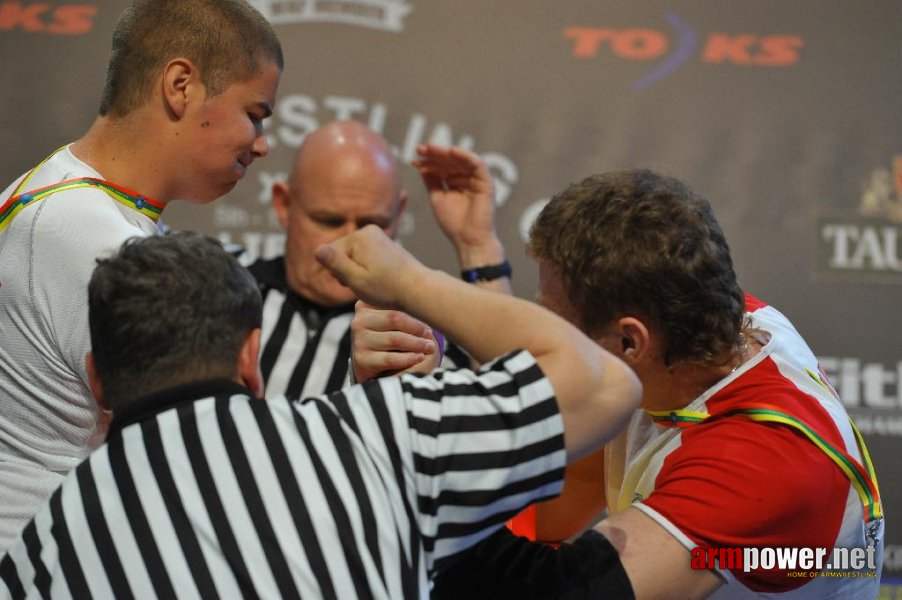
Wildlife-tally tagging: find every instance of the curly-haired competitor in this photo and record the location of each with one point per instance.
(741, 441)
(188, 85)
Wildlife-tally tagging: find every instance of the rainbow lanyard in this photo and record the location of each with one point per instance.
(863, 478)
(20, 200)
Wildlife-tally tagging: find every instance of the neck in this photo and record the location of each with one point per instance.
(121, 151)
(675, 388)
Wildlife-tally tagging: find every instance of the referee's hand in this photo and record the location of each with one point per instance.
(387, 342)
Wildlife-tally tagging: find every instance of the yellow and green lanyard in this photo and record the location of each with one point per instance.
(862, 477)
(19, 200)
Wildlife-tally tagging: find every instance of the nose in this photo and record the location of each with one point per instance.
(260, 147)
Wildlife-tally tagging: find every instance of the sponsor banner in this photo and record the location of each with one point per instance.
(865, 247)
(669, 49)
(47, 19)
(854, 249)
(864, 384)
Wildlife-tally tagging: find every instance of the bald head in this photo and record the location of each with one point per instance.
(349, 151)
(345, 176)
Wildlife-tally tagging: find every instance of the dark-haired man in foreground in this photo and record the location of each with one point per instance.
(201, 489)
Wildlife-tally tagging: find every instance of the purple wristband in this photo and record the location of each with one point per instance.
(440, 342)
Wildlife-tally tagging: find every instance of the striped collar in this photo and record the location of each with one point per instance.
(147, 407)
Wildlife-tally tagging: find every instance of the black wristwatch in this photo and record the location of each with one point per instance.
(487, 273)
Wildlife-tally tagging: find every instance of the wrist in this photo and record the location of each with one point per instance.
(487, 272)
(489, 252)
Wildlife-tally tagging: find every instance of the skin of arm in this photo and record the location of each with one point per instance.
(657, 564)
(462, 197)
(596, 392)
(579, 505)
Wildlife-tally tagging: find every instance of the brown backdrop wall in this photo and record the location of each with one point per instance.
(785, 115)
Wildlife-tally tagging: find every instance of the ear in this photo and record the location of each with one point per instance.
(634, 341)
(249, 363)
(181, 83)
(281, 202)
(94, 381)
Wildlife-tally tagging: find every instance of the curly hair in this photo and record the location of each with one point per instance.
(636, 242)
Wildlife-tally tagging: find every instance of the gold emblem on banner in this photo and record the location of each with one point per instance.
(882, 196)
(867, 247)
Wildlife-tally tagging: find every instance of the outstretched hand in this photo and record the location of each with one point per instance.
(462, 196)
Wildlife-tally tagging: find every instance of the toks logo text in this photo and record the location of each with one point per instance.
(672, 48)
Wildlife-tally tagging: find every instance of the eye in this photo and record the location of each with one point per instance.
(331, 222)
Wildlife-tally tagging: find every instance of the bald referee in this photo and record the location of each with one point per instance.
(202, 490)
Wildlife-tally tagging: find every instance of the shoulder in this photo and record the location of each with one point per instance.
(269, 273)
(754, 482)
(83, 221)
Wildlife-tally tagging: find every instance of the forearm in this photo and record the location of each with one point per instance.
(596, 392)
(472, 255)
(513, 567)
(580, 504)
(487, 325)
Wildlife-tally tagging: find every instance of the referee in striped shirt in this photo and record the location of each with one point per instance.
(344, 177)
(201, 490)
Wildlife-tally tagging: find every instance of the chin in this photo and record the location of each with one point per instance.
(339, 297)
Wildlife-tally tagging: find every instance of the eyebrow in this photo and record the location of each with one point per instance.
(329, 213)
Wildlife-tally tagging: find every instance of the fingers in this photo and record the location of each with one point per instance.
(370, 365)
(337, 261)
(452, 168)
(388, 341)
(447, 161)
(371, 264)
(391, 329)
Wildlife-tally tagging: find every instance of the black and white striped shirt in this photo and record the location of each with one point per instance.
(305, 347)
(202, 491)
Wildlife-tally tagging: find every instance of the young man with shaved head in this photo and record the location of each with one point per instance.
(189, 83)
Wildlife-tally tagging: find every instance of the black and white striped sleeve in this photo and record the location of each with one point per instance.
(483, 445)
